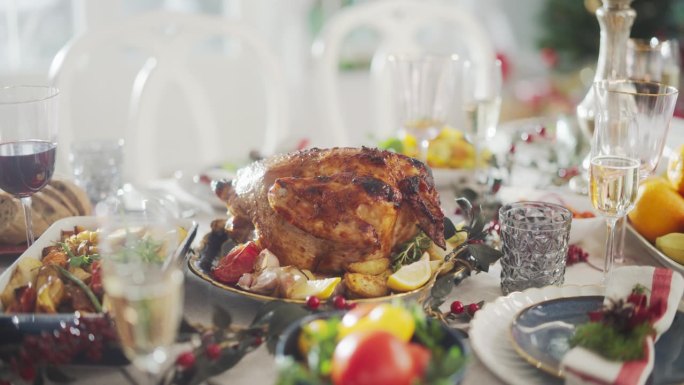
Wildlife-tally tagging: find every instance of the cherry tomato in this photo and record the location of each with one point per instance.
(372, 358)
(27, 300)
(238, 261)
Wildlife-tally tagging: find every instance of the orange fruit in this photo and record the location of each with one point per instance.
(659, 209)
(675, 170)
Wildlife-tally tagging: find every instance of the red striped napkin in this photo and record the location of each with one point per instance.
(582, 366)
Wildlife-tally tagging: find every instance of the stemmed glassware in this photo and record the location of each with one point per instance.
(632, 122)
(144, 284)
(28, 143)
(424, 87)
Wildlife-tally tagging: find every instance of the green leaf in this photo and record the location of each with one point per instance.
(265, 312)
(55, 375)
(483, 256)
(442, 287)
(466, 207)
(449, 228)
(282, 317)
(221, 317)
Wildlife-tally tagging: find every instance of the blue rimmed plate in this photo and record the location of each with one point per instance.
(540, 334)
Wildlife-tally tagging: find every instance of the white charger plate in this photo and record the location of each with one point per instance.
(490, 328)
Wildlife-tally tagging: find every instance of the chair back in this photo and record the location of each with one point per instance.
(171, 86)
(399, 24)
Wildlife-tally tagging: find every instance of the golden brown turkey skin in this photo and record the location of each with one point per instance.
(321, 209)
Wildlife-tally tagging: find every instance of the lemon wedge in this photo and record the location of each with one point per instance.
(321, 288)
(411, 276)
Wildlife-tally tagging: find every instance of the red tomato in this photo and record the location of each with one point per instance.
(420, 356)
(372, 358)
(238, 261)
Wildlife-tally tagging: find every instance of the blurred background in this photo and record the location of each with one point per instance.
(548, 49)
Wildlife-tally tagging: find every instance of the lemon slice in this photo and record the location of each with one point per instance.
(321, 288)
(410, 277)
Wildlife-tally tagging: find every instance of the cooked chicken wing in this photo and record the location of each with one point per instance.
(321, 209)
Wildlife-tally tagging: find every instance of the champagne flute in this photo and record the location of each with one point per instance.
(481, 89)
(144, 286)
(424, 88)
(28, 143)
(615, 162)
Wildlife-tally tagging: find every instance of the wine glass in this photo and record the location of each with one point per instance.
(654, 60)
(424, 88)
(615, 158)
(28, 143)
(648, 61)
(144, 285)
(481, 92)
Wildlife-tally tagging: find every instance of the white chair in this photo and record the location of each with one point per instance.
(161, 75)
(398, 22)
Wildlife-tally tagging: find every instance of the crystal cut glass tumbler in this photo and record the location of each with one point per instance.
(535, 244)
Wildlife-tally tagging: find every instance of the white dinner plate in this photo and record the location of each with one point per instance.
(490, 328)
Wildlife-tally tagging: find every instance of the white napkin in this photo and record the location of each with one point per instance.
(582, 366)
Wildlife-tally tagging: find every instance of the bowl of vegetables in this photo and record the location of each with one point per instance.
(379, 344)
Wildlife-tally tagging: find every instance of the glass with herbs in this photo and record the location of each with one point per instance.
(144, 285)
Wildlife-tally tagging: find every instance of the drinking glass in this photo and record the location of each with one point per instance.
(144, 284)
(651, 60)
(28, 143)
(534, 239)
(481, 93)
(97, 167)
(615, 154)
(424, 89)
(654, 60)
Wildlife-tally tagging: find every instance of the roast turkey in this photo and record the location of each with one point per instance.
(321, 209)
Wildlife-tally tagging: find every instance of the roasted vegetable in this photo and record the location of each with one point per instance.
(367, 286)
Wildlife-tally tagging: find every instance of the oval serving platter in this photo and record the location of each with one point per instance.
(195, 265)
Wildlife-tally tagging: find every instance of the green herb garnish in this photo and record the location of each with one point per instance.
(610, 343)
(143, 249)
(411, 251)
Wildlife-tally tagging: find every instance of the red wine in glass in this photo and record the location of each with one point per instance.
(26, 166)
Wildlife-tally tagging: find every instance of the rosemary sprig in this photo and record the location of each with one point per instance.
(411, 251)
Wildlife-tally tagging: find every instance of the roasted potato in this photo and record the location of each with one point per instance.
(26, 271)
(366, 286)
(371, 267)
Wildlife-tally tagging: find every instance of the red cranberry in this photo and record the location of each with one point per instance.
(339, 302)
(313, 302)
(186, 360)
(213, 351)
(473, 308)
(457, 307)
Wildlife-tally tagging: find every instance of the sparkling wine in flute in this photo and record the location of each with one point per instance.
(614, 182)
(147, 316)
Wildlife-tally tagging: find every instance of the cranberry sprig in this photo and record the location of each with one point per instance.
(626, 314)
(83, 337)
(337, 302)
(575, 255)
